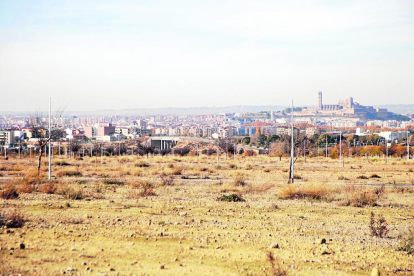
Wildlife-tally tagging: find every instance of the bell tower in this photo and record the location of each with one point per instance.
(320, 106)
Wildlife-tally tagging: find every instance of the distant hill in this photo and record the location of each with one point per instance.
(399, 108)
(179, 110)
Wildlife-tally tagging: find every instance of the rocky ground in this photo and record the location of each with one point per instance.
(184, 230)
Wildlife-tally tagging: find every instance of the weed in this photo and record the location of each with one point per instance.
(47, 188)
(26, 188)
(407, 243)
(375, 176)
(230, 198)
(239, 180)
(110, 181)
(277, 270)
(70, 192)
(166, 180)
(362, 196)
(142, 164)
(9, 191)
(341, 177)
(177, 171)
(378, 226)
(362, 177)
(68, 172)
(311, 191)
(11, 219)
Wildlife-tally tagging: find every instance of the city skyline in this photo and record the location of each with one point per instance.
(93, 56)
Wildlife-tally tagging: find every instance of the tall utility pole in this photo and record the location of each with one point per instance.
(50, 136)
(340, 149)
(292, 172)
(386, 150)
(408, 147)
(326, 146)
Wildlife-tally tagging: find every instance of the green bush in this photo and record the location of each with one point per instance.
(230, 198)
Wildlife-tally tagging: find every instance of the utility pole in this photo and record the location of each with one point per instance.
(292, 170)
(340, 149)
(326, 146)
(50, 137)
(408, 147)
(386, 150)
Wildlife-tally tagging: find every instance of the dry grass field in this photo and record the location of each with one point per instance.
(181, 216)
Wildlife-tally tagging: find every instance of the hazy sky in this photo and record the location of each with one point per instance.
(129, 54)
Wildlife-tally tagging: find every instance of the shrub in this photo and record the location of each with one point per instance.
(230, 198)
(145, 187)
(358, 196)
(239, 180)
(310, 191)
(250, 152)
(277, 270)
(31, 177)
(11, 219)
(176, 171)
(378, 226)
(362, 177)
(26, 188)
(375, 176)
(110, 181)
(9, 191)
(48, 188)
(166, 180)
(142, 164)
(407, 243)
(70, 192)
(62, 163)
(68, 172)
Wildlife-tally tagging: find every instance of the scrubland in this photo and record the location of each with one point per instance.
(191, 216)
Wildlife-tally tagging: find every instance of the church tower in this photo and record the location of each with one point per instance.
(320, 106)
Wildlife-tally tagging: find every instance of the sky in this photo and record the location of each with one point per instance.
(93, 55)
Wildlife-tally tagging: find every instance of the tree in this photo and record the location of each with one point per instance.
(277, 149)
(261, 139)
(145, 149)
(246, 140)
(272, 138)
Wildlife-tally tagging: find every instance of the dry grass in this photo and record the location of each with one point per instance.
(9, 191)
(70, 192)
(306, 191)
(11, 218)
(68, 172)
(47, 188)
(360, 196)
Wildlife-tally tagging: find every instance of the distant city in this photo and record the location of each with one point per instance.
(346, 115)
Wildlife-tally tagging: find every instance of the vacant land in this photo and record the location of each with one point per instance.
(163, 216)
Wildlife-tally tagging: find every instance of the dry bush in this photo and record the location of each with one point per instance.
(277, 269)
(249, 153)
(359, 196)
(141, 164)
(26, 188)
(258, 189)
(48, 188)
(9, 191)
(31, 177)
(68, 172)
(11, 218)
(166, 180)
(309, 191)
(146, 188)
(378, 226)
(407, 243)
(177, 171)
(239, 180)
(69, 192)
